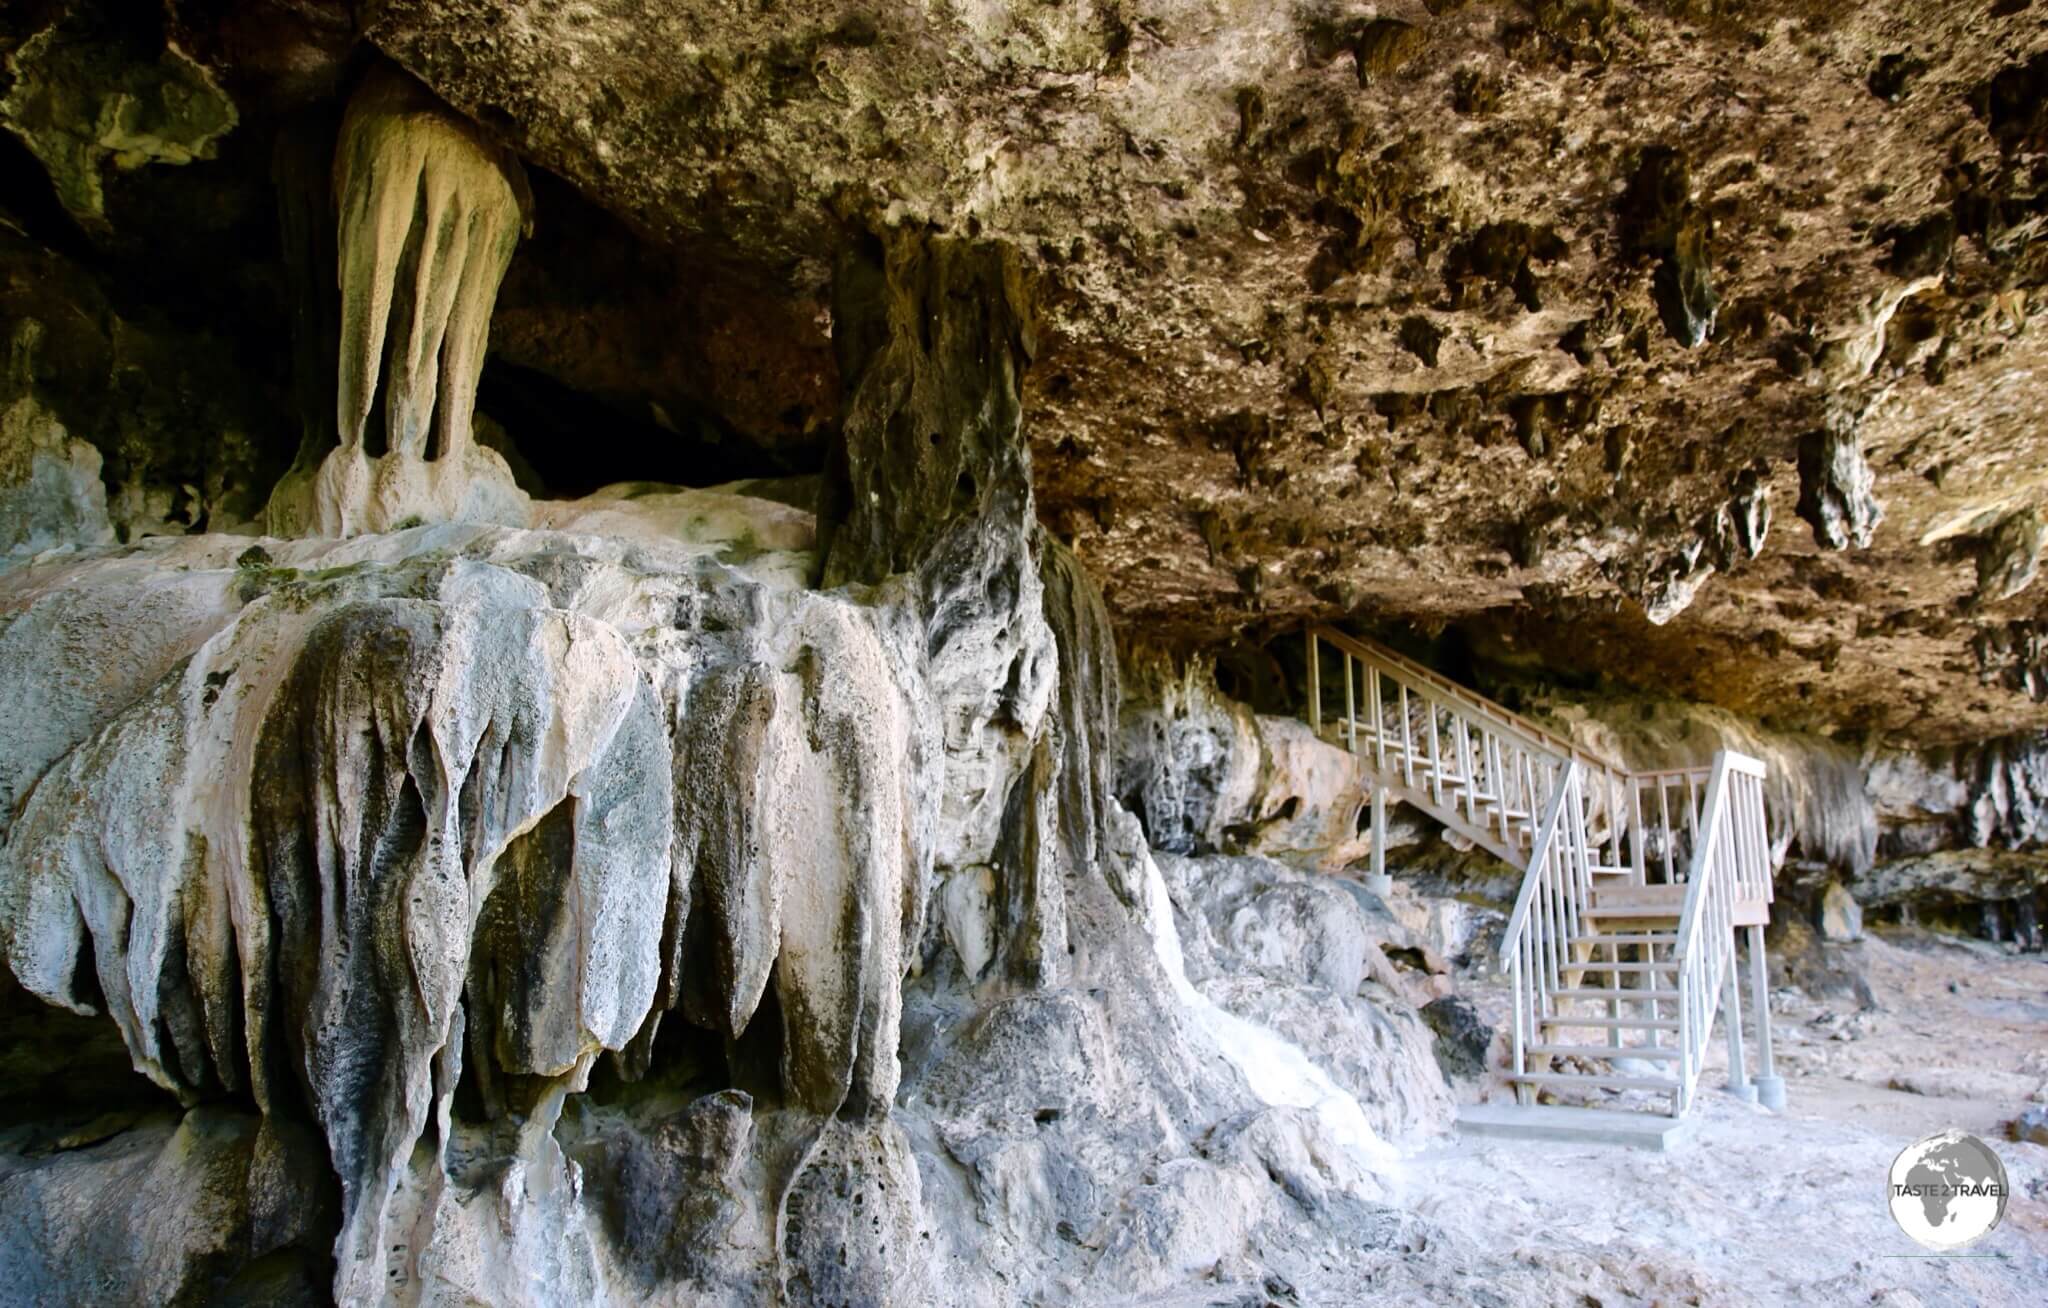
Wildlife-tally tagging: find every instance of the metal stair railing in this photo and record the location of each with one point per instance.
(1730, 863)
(1536, 949)
(1480, 769)
(1561, 812)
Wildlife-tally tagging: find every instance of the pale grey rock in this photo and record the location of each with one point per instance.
(1840, 916)
(852, 1225)
(1184, 1220)
(167, 1210)
(2031, 1126)
(1672, 587)
(50, 489)
(1205, 774)
(1296, 954)
(501, 779)
(1189, 760)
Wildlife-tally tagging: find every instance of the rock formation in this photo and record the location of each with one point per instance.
(651, 652)
(428, 214)
(50, 489)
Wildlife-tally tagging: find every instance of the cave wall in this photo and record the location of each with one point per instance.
(749, 892)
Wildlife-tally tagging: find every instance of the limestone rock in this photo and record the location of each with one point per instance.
(1840, 916)
(1464, 1043)
(429, 214)
(83, 99)
(1951, 877)
(50, 489)
(217, 1205)
(1835, 489)
(1295, 954)
(2031, 1126)
(484, 782)
(2011, 558)
(1204, 773)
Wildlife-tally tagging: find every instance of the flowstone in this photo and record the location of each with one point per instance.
(540, 873)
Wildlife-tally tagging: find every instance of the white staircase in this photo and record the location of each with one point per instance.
(1621, 948)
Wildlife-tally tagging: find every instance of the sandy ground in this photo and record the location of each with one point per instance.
(1790, 1208)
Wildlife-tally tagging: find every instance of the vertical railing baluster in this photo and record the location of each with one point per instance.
(1436, 767)
(1379, 721)
(1636, 837)
(1407, 742)
(1461, 744)
(1350, 708)
(1315, 685)
(1670, 841)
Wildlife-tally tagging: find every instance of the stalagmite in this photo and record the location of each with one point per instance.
(429, 213)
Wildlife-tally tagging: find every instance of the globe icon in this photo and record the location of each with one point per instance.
(1948, 1190)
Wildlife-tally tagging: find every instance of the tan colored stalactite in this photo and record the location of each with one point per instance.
(429, 218)
(428, 214)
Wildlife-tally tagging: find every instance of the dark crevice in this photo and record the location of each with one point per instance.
(577, 442)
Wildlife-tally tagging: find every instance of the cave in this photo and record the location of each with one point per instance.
(832, 653)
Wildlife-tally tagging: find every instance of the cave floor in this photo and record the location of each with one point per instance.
(1777, 1208)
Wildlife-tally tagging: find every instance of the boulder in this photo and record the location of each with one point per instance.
(2031, 1126)
(1839, 917)
(1462, 1039)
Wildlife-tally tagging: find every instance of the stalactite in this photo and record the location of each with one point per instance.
(428, 215)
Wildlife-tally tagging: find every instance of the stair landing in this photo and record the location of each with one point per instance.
(1600, 1126)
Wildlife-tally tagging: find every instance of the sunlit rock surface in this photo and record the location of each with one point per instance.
(754, 755)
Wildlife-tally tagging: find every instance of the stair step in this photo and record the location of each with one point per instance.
(1627, 1023)
(1606, 1080)
(1657, 894)
(1608, 1051)
(1602, 870)
(1659, 938)
(1632, 912)
(1663, 965)
(1669, 996)
(1606, 1126)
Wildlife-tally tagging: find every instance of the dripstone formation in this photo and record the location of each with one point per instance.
(649, 652)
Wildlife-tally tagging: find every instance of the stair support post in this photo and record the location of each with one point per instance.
(1379, 883)
(1739, 1083)
(1770, 1087)
(1350, 708)
(1315, 685)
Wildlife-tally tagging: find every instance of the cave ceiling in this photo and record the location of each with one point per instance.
(1515, 319)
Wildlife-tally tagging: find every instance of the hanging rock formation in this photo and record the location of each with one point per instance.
(1835, 487)
(399, 822)
(2011, 558)
(429, 212)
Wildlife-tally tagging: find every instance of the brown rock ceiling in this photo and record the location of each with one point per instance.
(1377, 310)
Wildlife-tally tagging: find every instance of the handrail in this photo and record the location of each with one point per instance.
(1487, 774)
(1502, 766)
(1402, 665)
(1729, 863)
(1703, 860)
(1546, 835)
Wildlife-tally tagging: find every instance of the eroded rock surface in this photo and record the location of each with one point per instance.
(744, 892)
